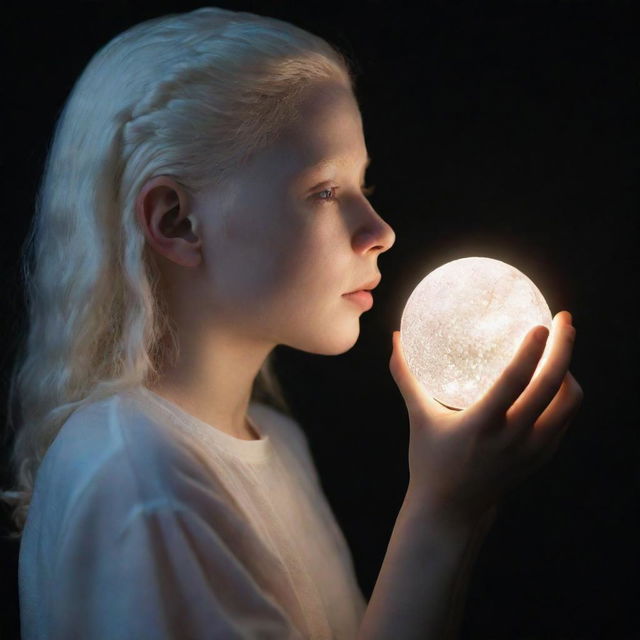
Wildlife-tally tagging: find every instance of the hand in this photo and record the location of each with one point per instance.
(461, 462)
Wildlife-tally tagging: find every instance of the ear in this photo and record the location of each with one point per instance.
(162, 210)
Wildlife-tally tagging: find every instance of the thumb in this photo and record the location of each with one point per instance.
(414, 394)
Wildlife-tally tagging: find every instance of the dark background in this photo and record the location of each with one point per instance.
(504, 130)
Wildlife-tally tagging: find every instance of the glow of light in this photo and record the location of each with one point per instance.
(464, 322)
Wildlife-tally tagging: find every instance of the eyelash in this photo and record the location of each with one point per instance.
(367, 191)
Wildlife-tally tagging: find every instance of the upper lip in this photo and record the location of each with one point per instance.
(367, 286)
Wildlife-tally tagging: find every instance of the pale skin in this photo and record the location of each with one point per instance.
(271, 258)
(462, 462)
(268, 264)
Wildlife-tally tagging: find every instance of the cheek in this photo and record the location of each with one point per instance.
(244, 252)
(313, 259)
(285, 256)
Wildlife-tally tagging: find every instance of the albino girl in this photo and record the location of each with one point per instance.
(203, 201)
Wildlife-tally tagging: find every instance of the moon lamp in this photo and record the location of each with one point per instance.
(463, 324)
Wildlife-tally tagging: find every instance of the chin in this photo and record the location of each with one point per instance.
(329, 341)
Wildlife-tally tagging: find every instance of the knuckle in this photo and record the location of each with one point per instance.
(576, 394)
(579, 395)
(574, 389)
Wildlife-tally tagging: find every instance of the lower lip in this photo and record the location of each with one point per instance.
(363, 298)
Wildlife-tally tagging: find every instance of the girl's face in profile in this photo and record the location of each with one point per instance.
(294, 233)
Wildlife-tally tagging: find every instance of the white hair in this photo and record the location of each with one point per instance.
(189, 95)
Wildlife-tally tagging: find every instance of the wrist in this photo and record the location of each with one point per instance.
(455, 524)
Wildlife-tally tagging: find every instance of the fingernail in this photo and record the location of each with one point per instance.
(570, 318)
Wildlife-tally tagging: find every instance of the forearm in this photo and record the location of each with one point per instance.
(463, 577)
(422, 580)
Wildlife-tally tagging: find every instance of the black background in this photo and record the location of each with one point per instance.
(504, 130)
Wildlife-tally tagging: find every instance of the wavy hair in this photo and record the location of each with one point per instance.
(193, 96)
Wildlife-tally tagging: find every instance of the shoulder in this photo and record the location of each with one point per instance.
(114, 429)
(111, 453)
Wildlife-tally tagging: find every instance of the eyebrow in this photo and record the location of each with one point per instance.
(321, 164)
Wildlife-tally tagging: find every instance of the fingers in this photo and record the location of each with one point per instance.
(545, 453)
(400, 373)
(543, 388)
(552, 424)
(515, 377)
(418, 402)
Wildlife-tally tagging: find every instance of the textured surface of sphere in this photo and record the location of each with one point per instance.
(463, 324)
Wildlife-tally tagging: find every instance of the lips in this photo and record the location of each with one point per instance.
(362, 298)
(367, 286)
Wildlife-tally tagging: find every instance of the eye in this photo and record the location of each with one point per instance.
(367, 191)
(330, 191)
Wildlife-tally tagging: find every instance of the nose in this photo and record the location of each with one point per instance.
(377, 232)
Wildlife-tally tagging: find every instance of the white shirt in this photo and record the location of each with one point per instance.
(146, 522)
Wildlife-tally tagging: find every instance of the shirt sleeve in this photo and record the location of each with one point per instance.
(162, 569)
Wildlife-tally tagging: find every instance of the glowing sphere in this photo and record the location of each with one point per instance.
(463, 324)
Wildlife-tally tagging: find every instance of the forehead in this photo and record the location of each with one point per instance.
(325, 136)
(325, 99)
(328, 129)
